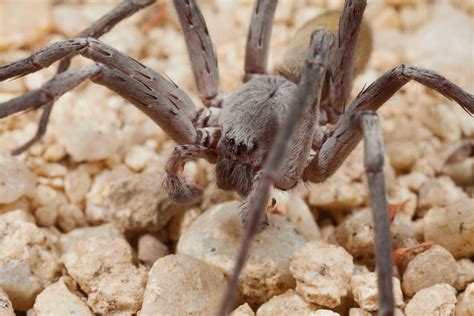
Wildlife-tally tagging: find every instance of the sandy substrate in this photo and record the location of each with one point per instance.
(86, 227)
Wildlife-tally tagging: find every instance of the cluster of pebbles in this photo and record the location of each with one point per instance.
(85, 227)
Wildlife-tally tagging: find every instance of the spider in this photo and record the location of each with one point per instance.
(272, 131)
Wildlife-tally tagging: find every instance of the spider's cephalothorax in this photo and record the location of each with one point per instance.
(267, 133)
(250, 120)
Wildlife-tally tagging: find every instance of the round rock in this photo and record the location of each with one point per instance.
(215, 238)
(322, 272)
(435, 265)
(183, 285)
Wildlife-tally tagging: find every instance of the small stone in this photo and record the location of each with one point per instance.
(28, 259)
(6, 308)
(46, 216)
(215, 238)
(139, 202)
(365, 291)
(243, 310)
(433, 266)
(322, 272)
(150, 249)
(52, 170)
(54, 152)
(439, 192)
(68, 240)
(359, 312)
(69, 217)
(465, 273)
(76, 184)
(44, 195)
(323, 312)
(356, 234)
(337, 193)
(105, 270)
(183, 285)
(440, 299)
(460, 172)
(300, 215)
(15, 179)
(137, 157)
(95, 200)
(88, 140)
(465, 305)
(288, 303)
(452, 227)
(403, 154)
(58, 299)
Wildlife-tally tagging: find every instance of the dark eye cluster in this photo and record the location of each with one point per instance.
(238, 148)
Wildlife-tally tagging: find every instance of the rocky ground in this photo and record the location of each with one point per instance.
(85, 227)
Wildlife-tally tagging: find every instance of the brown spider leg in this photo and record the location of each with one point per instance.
(50, 90)
(200, 49)
(311, 80)
(172, 100)
(258, 38)
(40, 131)
(105, 23)
(346, 135)
(97, 29)
(207, 117)
(342, 68)
(178, 190)
(374, 161)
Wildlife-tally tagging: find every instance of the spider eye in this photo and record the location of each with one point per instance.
(232, 142)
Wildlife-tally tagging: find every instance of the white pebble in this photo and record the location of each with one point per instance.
(365, 291)
(76, 184)
(151, 249)
(105, 270)
(452, 227)
(322, 272)
(215, 238)
(15, 179)
(58, 299)
(28, 259)
(288, 303)
(183, 285)
(243, 310)
(6, 308)
(433, 266)
(440, 299)
(465, 305)
(465, 273)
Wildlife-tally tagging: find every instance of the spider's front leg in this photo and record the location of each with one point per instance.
(374, 161)
(175, 184)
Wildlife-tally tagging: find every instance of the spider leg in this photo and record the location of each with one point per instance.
(346, 136)
(200, 49)
(97, 29)
(342, 68)
(166, 99)
(374, 161)
(50, 90)
(178, 190)
(258, 39)
(107, 22)
(313, 71)
(207, 117)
